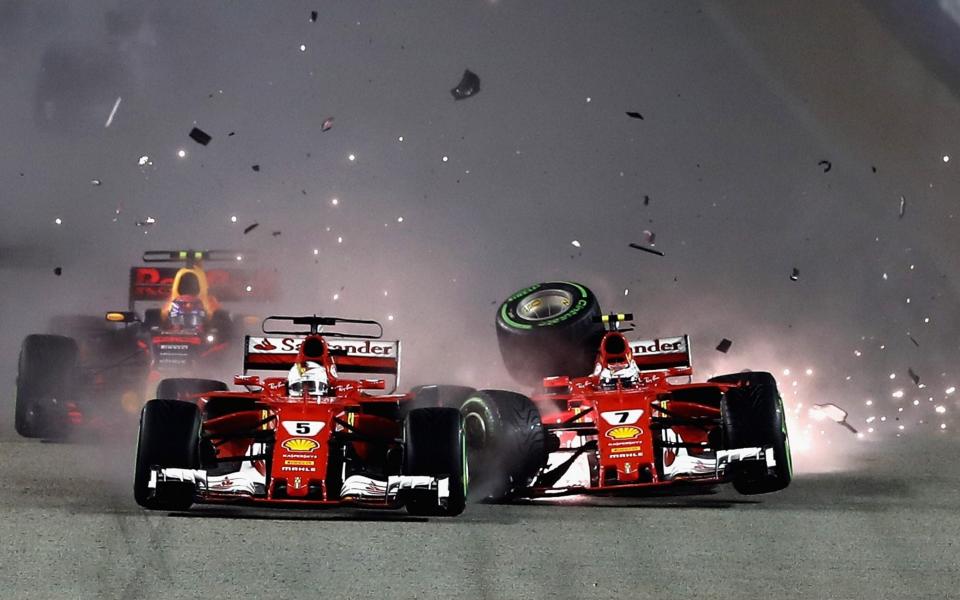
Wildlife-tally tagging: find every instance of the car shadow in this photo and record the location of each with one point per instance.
(254, 514)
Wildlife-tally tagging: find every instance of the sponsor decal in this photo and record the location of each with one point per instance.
(353, 347)
(631, 455)
(307, 428)
(297, 483)
(624, 432)
(297, 469)
(659, 346)
(626, 449)
(300, 445)
(622, 417)
(300, 463)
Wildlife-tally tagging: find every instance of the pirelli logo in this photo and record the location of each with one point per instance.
(299, 463)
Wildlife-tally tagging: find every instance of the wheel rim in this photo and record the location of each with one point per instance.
(544, 304)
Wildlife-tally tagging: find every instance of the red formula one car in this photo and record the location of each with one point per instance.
(312, 437)
(611, 416)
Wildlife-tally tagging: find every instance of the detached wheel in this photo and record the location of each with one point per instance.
(169, 437)
(506, 442)
(549, 329)
(183, 388)
(752, 416)
(46, 376)
(434, 445)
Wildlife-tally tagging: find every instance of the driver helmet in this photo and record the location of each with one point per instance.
(186, 312)
(310, 379)
(627, 373)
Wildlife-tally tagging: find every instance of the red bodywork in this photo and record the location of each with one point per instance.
(630, 431)
(300, 445)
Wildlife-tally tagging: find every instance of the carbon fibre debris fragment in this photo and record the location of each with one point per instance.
(313, 16)
(200, 136)
(469, 86)
(903, 206)
(915, 342)
(250, 228)
(634, 115)
(826, 164)
(646, 249)
(256, 168)
(327, 124)
(795, 274)
(58, 271)
(914, 376)
(724, 345)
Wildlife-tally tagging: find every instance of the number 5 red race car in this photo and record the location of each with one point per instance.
(607, 415)
(312, 437)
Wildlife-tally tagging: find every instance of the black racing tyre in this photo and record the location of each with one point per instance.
(506, 442)
(46, 377)
(752, 415)
(746, 378)
(434, 445)
(169, 437)
(423, 396)
(184, 388)
(549, 329)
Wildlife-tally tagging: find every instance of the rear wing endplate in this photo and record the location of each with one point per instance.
(358, 356)
(663, 354)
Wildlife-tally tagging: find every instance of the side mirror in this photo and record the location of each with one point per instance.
(373, 384)
(246, 380)
(122, 316)
(552, 383)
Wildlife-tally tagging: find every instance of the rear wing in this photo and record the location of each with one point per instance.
(154, 284)
(664, 354)
(350, 355)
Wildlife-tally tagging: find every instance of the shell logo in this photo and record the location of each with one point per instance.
(625, 432)
(301, 445)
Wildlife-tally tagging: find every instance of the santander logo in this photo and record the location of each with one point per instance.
(264, 345)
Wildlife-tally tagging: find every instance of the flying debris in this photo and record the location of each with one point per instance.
(650, 236)
(915, 342)
(903, 206)
(795, 275)
(313, 16)
(256, 168)
(200, 136)
(724, 345)
(231, 134)
(327, 124)
(250, 228)
(276, 233)
(646, 200)
(575, 243)
(113, 112)
(634, 115)
(826, 164)
(914, 376)
(58, 271)
(469, 85)
(645, 249)
(832, 412)
(146, 223)
(95, 182)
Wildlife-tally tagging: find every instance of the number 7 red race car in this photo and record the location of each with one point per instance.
(313, 437)
(608, 414)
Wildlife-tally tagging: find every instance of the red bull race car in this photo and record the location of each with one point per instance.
(610, 415)
(90, 369)
(313, 437)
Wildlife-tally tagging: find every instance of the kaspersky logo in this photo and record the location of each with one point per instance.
(624, 432)
(300, 445)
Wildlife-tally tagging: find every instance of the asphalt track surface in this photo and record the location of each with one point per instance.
(885, 528)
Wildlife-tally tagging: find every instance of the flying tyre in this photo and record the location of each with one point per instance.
(169, 437)
(184, 388)
(753, 417)
(434, 445)
(549, 329)
(506, 442)
(45, 378)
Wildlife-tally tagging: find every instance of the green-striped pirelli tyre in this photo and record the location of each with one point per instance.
(752, 416)
(548, 329)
